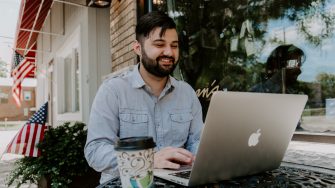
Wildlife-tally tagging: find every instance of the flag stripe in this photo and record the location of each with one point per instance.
(23, 139)
(32, 129)
(31, 152)
(22, 68)
(17, 94)
(26, 139)
(23, 71)
(9, 147)
(42, 136)
(37, 140)
(17, 147)
(30, 135)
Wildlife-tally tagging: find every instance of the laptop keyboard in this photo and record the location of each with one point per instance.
(184, 174)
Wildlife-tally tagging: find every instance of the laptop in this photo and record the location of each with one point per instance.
(244, 134)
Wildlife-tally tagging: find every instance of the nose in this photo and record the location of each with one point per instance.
(168, 51)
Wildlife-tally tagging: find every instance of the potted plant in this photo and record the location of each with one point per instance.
(62, 162)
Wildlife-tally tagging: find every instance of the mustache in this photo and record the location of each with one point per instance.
(166, 57)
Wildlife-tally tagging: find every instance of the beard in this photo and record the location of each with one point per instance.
(154, 68)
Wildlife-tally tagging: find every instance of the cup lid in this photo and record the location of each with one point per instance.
(135, 143)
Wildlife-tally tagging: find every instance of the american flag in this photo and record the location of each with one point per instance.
(25, 141)
(22, 67)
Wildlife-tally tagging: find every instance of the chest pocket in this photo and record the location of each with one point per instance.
(180, 124)
(133, 124)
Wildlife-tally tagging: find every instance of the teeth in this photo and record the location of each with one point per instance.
(166, 60)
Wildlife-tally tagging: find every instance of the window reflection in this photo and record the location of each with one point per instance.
(282, 69)
(260, 45)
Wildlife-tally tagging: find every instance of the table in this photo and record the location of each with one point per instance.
(287, 175)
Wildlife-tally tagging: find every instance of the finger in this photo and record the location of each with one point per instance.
(170, 165)
(185, 152)
(170, 149)
(180, 157)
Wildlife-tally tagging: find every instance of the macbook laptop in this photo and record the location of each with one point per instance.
(244, 134)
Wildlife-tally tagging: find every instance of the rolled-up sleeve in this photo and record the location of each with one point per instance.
(103, 128)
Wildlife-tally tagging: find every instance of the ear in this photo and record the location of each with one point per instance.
(137, 48)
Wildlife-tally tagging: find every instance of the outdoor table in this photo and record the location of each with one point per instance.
(287, 175)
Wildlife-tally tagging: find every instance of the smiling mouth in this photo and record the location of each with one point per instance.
(166, 61)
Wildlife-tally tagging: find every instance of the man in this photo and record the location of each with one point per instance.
(146, 102)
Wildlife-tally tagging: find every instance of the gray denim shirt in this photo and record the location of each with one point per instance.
(124, 106)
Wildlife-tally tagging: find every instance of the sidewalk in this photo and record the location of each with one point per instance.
(11, 125)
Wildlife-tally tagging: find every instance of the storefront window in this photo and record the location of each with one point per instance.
(68, 70)
(259, 46)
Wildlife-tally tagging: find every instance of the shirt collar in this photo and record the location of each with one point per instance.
(136, 78)
(138, 82)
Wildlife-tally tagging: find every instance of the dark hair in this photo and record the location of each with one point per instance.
(279, 57)
(152, 20)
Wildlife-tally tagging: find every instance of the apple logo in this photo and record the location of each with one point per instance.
(254, 138)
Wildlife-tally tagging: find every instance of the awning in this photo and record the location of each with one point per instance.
(31, 18)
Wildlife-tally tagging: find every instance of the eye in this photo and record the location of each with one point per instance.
(174, 46)
(159, 45)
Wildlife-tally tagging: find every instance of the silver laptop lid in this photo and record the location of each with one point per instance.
(245, 133)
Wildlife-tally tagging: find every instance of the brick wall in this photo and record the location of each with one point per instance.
(123, 22)
(8, 108)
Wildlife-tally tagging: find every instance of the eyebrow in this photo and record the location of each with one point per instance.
(161, 40)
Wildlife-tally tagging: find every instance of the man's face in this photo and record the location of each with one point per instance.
(160, 54)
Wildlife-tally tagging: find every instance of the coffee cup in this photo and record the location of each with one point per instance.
(135, 158)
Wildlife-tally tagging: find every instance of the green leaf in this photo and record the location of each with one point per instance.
(62, 158)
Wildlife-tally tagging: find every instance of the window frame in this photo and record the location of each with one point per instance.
(71, 48)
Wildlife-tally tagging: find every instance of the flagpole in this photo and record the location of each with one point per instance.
(2, 155)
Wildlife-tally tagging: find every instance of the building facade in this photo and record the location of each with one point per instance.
(266, 46)
(9, 110)
(72, 61)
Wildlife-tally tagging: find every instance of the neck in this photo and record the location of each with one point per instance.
(156, 83)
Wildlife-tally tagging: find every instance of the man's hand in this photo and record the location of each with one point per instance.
(172, 158)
